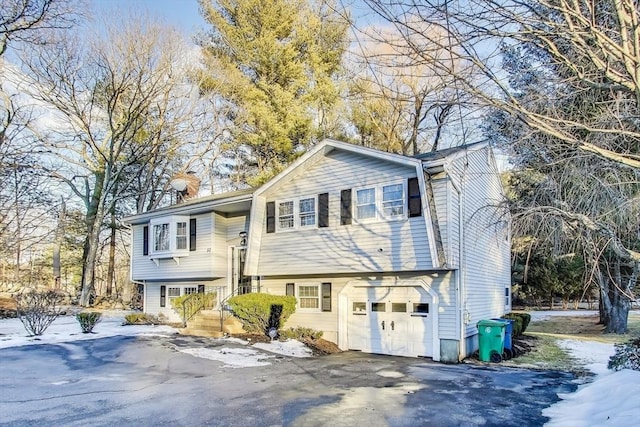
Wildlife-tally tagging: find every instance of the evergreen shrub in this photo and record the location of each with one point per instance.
(259, 312)
(626, 356)
(301, 334)
(87, 320)
(140, 319)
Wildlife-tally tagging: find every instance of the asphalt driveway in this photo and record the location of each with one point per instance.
(122, 381)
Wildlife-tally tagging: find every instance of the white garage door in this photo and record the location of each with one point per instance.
(390, 320)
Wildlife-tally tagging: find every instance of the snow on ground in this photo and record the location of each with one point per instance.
(544, 315)
(610, 399)
(66, 329)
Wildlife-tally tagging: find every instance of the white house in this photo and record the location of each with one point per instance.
(384, 253)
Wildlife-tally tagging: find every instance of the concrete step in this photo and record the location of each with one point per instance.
(207, 324)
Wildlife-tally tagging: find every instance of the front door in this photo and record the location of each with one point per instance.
(240, 284)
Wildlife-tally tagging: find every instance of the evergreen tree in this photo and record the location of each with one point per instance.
(274, 66)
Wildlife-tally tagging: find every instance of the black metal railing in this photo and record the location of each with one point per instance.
(195, 303)
(240, 290)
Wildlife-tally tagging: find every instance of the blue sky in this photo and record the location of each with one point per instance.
(183, 14)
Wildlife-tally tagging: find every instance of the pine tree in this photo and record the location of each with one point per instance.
(274, 66)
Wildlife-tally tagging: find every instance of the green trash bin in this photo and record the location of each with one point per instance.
(491, 340)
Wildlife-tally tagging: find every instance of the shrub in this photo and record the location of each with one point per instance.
(301, 334)
(140, 319)
(88, 320)
(188, 305)
(38, 309)
(520, 322)
(259, 312)
(626, 356)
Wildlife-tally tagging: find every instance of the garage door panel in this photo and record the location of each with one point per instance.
(392, 320)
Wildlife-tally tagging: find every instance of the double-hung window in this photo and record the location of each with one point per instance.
(161, 237)
(309, 297)
(181, 235)
(307, 212)
(366, 203)
(393, 200)
(380, 202)
(297, 213)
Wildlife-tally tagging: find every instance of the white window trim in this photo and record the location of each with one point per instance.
(318, 286)
(379, 216)
(172, 252)
(296, 214)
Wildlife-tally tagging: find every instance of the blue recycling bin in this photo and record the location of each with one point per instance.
(508, 330)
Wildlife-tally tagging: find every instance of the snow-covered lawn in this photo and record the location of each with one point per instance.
(611, 398)
(66, 329)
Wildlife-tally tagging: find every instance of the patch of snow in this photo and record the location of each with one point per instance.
(291, 348)
(231, 357)
(610, 399)
(390, 374)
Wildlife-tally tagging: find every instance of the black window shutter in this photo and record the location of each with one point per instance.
(326, 297)
(201, 289)
(291, 289)
(145, 240)
(163, 296)
(413, 197)
(192, 234)
(271, 217)
(323, 210)
(345, 207)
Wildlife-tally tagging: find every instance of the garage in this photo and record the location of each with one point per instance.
(396, 320)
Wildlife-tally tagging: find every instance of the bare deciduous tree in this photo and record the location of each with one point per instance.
(122, 118)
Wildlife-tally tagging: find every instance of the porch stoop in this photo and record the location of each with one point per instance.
(207, 324)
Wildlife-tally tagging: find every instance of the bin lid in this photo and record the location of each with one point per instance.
(491, 323)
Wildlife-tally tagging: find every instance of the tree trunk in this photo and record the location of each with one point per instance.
(615, 301)
(112, 255)
(89, 267)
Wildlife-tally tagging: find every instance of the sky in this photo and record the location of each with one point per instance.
(607, 399)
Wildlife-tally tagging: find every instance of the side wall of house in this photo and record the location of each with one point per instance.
(378, 246)
(485, 263)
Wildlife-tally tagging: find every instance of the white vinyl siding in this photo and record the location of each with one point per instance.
(486, 245)
(372, 247)
(209, 260)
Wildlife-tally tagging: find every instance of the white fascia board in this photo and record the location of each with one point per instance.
(196, 206)
(256, 219)
(426, 214)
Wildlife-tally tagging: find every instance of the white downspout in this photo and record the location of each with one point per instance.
(461, 322)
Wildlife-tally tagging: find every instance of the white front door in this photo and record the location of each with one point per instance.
(390, 320)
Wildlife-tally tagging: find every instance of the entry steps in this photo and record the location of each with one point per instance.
(207, 324)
